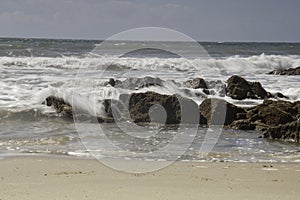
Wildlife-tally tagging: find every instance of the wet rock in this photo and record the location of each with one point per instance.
(137, 83)
(216, 88)
(238, 88)
(196, 83)
(278, 95)
(273, 113)
(219, 112)
(243, 124)
(289, 131)
(65, 109)
(275, 119)
(289, 72)
(113, 82)
(270, 114)
(60, 105)
(165, 109)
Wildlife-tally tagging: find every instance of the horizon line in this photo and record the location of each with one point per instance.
(94, 39)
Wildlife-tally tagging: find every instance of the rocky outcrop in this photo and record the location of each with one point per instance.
(239, 88)
(276, 119)
(272, 113)
(143, 108)
(219, 112)
(289, 72)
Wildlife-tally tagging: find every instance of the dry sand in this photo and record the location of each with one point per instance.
(65, 178)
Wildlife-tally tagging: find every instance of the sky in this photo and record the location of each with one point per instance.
(203, 20)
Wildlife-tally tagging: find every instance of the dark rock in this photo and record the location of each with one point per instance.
(289, 72)
(112, 82)
(219, 112)
(278, 95)
(196, 83)
(273, 113)
(60, 105)
(165, 109)
(239, 88)
(276, 119)
(243, 124)
(289, 131)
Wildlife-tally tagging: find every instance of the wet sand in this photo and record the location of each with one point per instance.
(65, 178)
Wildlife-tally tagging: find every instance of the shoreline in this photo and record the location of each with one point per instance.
(40, 177)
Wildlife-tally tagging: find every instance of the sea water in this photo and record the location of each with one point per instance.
(33, 69)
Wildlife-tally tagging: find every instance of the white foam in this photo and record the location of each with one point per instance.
(27, 81)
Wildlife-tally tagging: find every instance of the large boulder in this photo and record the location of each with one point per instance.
(167, 109)
(289, 72)
(238, 88)
(219, 112)
(270, 113)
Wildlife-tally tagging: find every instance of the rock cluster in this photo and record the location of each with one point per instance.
(289, 72)
(276, 119)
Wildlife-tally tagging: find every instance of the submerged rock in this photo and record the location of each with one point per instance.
(289, 72)
(196, 83)
(60, 105)
(137, 83)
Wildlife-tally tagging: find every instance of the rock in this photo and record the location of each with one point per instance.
(112, 82)
(219, 112)
(141, 108)
(276, 119)
(165, 109)
(60, 105)
(273, 113)
(216, 88)
(196, 83)
(278, 95)
(137, 83)
(243, 124)
(239, 88)
(289, 131)
(289, 72)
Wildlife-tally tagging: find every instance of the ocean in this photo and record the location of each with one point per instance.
(75, 70)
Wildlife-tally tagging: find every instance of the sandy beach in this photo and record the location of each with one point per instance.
(65, 178)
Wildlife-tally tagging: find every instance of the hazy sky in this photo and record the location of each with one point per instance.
(204, 20)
